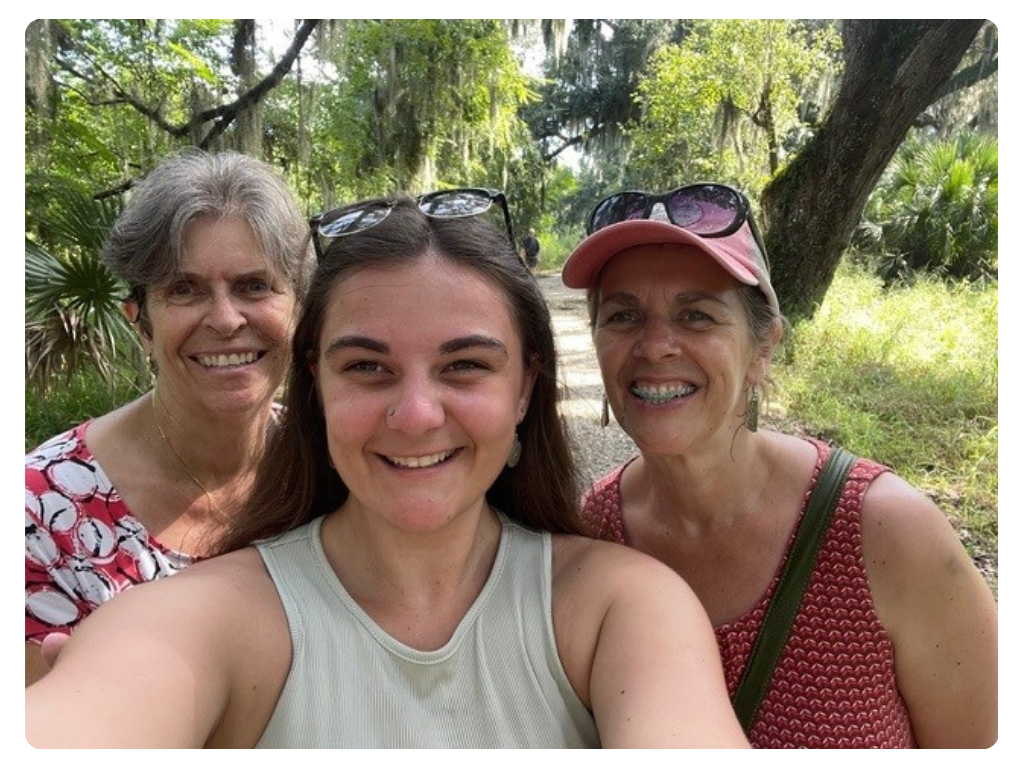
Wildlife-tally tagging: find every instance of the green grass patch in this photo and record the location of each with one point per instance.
(67, 403)
(907, 376)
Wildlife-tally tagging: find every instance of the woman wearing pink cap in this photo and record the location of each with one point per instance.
(892, 642)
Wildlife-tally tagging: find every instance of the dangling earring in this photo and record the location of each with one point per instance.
(753, 408)
(605, 418)
(515, 453)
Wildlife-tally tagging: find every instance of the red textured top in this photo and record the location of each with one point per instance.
(835, 684)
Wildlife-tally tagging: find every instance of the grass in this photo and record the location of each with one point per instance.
(907, 376)
(71, 402)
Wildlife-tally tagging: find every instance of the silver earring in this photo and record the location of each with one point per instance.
(605, 418)
(516, 452)
(753, 408)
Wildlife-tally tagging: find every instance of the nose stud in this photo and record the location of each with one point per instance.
(391, 412)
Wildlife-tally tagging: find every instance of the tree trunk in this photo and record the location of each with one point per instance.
(249, 124)
(894, 69)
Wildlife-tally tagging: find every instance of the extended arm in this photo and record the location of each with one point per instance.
(164, 666)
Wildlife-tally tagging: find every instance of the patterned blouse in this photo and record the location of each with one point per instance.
(82, 545)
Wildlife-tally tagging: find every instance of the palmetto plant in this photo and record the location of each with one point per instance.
(73, 312)
(936, 209)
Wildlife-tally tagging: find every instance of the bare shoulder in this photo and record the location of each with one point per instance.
(631, 634)
(592, 578)
(905, 533)
(606, 569)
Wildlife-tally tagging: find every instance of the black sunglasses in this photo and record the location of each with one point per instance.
(445, 204)
(707, 210)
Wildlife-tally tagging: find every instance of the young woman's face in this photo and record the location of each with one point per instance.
(674, 346)
(221, 329)
(421, 376)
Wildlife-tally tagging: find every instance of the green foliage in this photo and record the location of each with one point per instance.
(73, 316)
(936, 209)
(908, 377)
(719, 104)
(588, 89)
(424, 103)
(85, 395)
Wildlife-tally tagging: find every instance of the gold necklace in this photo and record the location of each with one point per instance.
(184, 465)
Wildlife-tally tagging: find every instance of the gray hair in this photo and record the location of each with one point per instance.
(146, 243)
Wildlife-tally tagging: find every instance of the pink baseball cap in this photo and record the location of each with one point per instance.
(738, 253)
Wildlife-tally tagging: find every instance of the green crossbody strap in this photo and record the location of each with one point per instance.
(787, 597)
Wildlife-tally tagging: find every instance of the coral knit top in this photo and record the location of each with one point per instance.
(835, 683)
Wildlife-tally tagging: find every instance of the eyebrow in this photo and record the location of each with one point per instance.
(357, 342)
(448, 348)
(686, 297)
(262, 273)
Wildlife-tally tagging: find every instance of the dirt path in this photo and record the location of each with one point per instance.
(601, 449)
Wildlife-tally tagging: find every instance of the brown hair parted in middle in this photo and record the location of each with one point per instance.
(295, 481)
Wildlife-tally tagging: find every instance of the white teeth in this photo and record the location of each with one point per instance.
(223, 361)
(659, 395)
(418, 462)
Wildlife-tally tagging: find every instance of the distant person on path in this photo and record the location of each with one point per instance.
(531, 250)
(895, 641)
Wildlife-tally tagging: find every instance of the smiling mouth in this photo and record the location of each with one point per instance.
(661, 395)
(420, 462)
(228, 361)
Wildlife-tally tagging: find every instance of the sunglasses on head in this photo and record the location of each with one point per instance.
(446, 204)
(707, 210)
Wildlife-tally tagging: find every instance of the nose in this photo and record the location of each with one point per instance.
(225, 316)
(416, 408)
(658, 340)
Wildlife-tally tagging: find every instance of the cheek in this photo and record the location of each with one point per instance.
(349, 425)
(612, 352)
(279, 323)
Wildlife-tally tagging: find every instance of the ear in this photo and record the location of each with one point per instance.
(132, 311)
(313, 367)
(526, 391)
(763, 354)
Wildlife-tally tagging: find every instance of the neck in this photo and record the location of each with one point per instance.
(373, 557)
(706, 490)
(213, 451)
(416, 587)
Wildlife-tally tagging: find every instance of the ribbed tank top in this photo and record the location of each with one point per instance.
(497, 682)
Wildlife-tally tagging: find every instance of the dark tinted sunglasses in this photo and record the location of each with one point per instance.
(707, 210)
(446, 204)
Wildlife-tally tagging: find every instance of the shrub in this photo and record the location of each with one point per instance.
(936, 210)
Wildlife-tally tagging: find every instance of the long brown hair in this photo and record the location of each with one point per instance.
(296, 482)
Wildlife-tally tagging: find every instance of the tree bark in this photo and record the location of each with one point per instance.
(893, 70)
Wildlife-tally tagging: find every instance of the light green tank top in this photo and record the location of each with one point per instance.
(498, 681)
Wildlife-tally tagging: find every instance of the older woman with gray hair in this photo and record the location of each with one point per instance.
(214, 251)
